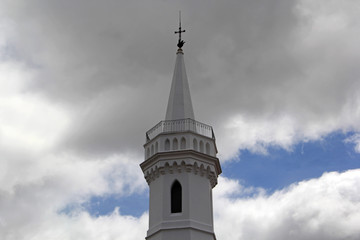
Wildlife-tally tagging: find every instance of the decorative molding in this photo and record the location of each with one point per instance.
(189, 165)
(181, 224)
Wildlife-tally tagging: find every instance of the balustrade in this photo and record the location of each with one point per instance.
(181, 125)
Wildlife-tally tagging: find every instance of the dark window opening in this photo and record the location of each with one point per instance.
(176, 197)
(167, 144)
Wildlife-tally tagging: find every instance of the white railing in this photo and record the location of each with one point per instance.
(181, 125)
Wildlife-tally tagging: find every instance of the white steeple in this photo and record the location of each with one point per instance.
(179, 105)
(180, 167)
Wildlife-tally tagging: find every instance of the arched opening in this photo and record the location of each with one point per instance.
(152, 150)
(207, 148)
(167, 144)
(175, 144)
(195, 144)
(148, 152)
(201, 146)
(183, 143)
(156, 147)
(176, 195)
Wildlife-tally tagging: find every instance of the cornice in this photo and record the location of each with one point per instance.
(188, 161)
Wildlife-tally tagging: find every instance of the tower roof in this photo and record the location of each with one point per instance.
(179, 105)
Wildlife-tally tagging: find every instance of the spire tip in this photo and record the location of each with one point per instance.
(181, 42)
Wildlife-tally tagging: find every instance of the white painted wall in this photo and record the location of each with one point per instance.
(188, 136)
(196, 173)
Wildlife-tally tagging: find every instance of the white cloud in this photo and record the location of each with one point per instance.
(33, 195)
(27, 120)
(355, 139)
(38, 180)
(267, 76)
(80, 226)
(256, 135)
(320, 94)
(323, 208)
(80, 86)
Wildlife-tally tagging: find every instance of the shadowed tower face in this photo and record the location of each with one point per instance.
(180, 167)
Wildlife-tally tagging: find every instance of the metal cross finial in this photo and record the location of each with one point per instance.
(180, 42)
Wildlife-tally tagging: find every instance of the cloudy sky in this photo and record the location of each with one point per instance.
(82, 81)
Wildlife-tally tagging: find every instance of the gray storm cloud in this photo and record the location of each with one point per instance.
(82, 81)
(111, 64)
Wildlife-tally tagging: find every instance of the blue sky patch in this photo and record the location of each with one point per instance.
(274, 171)
(280, 168)
(134, 205)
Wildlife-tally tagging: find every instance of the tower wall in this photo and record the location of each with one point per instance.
(192, 141)
(197, 173)
(180, 167)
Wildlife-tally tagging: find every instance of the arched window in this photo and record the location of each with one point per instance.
(167, 144)
(156, 147)
(183, 143)
(175, 144)
(207, 148)
(152, 150)
(201, 146)
(176, 195)
(195, 144)
(148, 152)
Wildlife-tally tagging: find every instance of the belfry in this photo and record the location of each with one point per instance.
(180, 167)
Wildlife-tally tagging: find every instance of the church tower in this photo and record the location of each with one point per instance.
(180, 167)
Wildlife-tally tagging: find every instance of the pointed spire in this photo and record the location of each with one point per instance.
(179, 105)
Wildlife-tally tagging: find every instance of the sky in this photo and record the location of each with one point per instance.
(82, 81)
